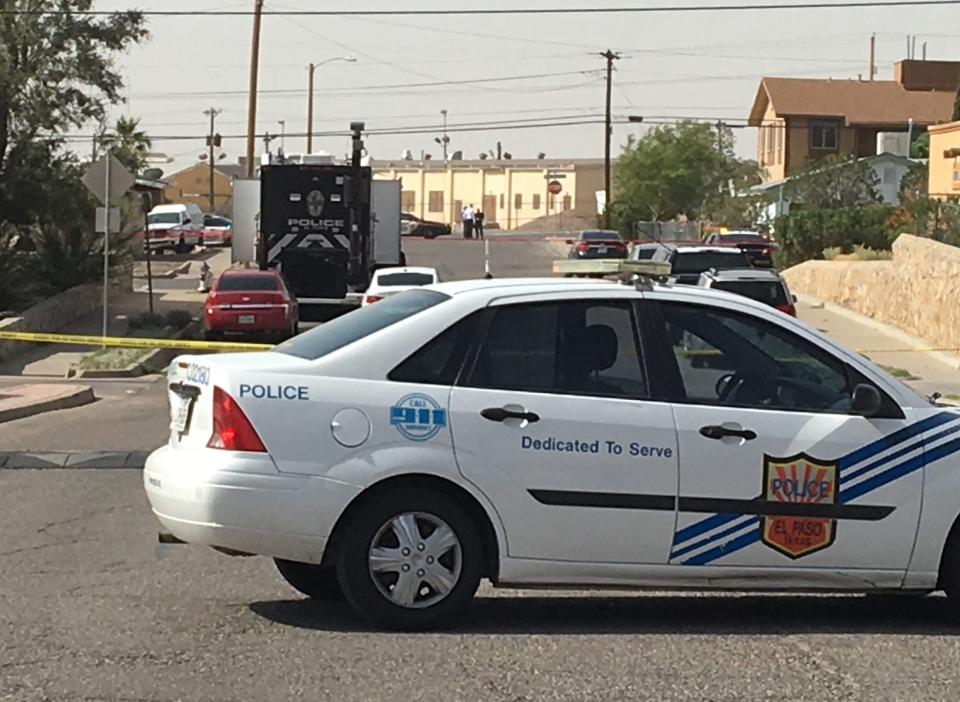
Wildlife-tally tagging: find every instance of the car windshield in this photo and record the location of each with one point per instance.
(770, 292)
(389, 279)
(356, 325)
(217, 222)
(252, 283)
(164, 218)
(701, 261)
(600, 236)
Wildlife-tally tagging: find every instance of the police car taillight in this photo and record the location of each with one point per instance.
(232, 430)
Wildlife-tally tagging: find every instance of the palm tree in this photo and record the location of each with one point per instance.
(128, 143)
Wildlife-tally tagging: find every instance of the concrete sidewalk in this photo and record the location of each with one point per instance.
(884, 345)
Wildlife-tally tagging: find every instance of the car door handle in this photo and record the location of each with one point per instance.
(498, 414)
(719, 432)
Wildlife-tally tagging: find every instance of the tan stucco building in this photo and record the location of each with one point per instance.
(510, 192)
(801, 119)
(192, 186)
(944, 165)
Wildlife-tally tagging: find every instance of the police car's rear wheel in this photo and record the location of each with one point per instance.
(410, 560)
(314, 581)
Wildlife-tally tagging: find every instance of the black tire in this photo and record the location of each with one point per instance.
(364, 594)
(181, 247)
(315, 581)
(212, 335)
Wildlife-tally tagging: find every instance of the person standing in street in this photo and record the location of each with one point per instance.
(478, 223)
(468, 217)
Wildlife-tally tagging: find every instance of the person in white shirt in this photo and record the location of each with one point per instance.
(468, 216)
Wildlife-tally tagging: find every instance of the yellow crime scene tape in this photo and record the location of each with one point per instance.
(132, 343)
(190, 345)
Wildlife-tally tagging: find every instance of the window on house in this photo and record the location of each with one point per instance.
(518, 201)
(567, 203)
(536, 202)
(889, 175)
(762, 145)
(824, 135)
(436, 201)
(771, 143)
(408, 201)
(503, 201)
(779, 129)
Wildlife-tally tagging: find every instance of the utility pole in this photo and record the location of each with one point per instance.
(283, 137)
(873, 56)
(254, 75)
(213, 143)
(312, 69)
(610, 56)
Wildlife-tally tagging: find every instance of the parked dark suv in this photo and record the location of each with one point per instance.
(688, 262)
(411, 225)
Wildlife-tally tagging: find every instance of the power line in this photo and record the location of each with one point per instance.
(501, 11)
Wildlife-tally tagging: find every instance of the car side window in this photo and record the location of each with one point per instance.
(438, 362)
(574, 348)
(735, 360)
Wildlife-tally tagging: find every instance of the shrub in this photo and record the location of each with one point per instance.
(148, 321)
(804, 234)
(178, 319)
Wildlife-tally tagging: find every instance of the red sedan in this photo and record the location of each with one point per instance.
(251, 302)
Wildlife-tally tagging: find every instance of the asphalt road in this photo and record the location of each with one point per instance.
(88, 612)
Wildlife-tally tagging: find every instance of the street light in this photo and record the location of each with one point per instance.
(445, 141)
(313, 68)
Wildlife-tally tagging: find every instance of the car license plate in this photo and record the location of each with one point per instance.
(602, 249)
(181, 415)
(247, 319)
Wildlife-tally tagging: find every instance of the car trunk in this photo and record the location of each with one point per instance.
(191, 384)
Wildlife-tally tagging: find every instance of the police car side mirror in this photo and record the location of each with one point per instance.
(866, 400)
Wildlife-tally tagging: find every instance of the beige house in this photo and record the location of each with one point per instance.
(802, 119)
(192, 186)
(510, 192)
(944, 164)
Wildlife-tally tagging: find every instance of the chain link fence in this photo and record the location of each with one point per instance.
(667, 231)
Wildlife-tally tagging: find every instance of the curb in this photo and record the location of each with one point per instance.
(83, 395)
(85, 460)
(948, 359)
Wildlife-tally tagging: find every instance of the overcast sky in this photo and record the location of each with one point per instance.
(674, 65)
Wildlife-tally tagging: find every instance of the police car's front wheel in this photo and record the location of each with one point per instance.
(410, 559)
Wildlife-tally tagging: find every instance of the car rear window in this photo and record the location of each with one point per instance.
(164, 218)
(404, 279)
(769, 292)
(745, 238)
(600, 236)
(353, 326)
(237, 283)
(705, 260)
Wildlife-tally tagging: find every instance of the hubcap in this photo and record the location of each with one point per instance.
(415, 560)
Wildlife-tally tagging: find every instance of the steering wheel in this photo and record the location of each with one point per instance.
(723, 387)
(766, 390)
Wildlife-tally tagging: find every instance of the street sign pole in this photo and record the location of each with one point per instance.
(106, 246)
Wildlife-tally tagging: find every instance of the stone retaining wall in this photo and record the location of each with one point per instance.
(51, 315)
(917, 291)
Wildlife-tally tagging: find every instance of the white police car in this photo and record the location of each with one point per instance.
(558, 433)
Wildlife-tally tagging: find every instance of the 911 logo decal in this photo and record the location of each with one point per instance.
(418, 417)
(798, 480)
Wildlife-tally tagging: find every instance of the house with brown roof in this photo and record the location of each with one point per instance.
(801, 119)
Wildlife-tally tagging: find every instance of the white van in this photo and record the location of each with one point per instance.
(176, 227)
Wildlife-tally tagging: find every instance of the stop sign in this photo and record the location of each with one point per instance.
(555, 187)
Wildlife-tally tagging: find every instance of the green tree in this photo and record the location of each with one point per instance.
(57, 73)
(834, 182)
(686, 170)
(669, 172)
(128, 143)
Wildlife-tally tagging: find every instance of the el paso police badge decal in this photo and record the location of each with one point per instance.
(798, 481)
